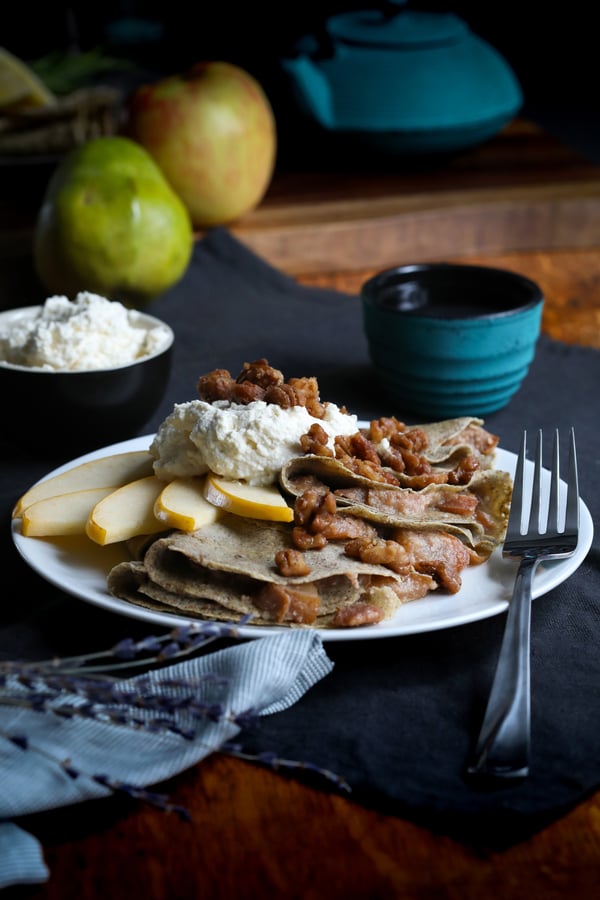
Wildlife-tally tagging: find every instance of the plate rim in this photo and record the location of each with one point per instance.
(554, 573)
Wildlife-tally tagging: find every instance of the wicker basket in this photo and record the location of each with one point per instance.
(72, 120)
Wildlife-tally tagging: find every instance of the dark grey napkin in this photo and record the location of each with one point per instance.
(398, 716)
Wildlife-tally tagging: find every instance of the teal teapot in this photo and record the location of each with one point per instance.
(403, 81)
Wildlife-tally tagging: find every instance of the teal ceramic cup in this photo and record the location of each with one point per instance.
(449, 339)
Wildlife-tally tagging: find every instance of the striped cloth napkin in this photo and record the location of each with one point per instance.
(259, 677)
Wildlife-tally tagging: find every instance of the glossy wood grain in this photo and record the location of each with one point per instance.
(525, 190)
(255, 834)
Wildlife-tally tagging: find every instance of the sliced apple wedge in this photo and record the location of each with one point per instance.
(247, 500)
(126, 512)
(181, 504)
(106, 471)
(61, 515)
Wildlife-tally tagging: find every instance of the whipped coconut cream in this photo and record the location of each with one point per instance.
(89, 332)
(249, 442)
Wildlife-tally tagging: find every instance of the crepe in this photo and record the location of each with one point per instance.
(219, 571)
(227, 570)
(383, 516)
(451, 437)
(394, 506)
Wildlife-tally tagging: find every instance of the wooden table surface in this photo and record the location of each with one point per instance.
(257, 834)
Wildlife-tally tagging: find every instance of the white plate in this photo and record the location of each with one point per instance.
(79, 567)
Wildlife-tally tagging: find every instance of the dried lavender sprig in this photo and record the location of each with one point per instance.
(144, 692)
(165, 721)
(104, 690)
(105, 702)
(275, 762)
(179, 642)
(161, 801)
(44, 681)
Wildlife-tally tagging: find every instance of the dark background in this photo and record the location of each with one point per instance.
(553, 48)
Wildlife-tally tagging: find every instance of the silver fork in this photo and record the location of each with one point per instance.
(503, 747)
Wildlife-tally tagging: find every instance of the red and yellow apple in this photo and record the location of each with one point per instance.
(212, 131)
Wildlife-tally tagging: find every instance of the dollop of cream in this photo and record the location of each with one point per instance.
(247, 442)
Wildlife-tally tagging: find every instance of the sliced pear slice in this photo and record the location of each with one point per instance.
(126, 512)
(182, 505)
(65, 514)
(247, 500)
(106, 471)
(19, 85)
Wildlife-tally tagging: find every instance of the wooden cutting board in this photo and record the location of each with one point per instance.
(523, 190)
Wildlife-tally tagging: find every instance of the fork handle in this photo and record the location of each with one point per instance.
(502, 749)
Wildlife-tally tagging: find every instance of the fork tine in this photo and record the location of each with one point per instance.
(572, 513)
(535, 509)
(553, 508)
(514, 528)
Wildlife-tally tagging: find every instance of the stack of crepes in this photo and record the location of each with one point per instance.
(368, 534)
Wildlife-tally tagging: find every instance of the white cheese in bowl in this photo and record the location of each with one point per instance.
(89, 332)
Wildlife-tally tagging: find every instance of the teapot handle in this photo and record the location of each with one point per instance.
(315, 46)
(320, 44)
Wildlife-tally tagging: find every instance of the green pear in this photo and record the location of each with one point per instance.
(111, 224)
